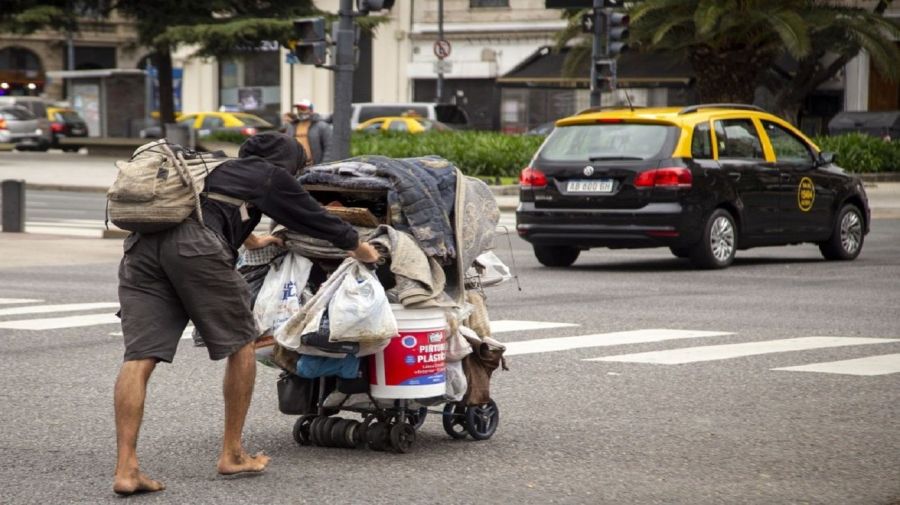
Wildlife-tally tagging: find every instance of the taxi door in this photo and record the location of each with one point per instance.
(808, 196)
(756, 184)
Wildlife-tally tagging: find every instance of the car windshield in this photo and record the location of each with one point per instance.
(612, 141)
(68, 116)
(16, 113)
(251, 120)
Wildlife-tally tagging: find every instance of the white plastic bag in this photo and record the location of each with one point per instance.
(359, 310)
(280, 295)
(456, 384)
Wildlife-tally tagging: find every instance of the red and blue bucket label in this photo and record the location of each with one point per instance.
(415, 358)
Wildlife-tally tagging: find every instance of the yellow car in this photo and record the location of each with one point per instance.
(402, 124)
(206, 123)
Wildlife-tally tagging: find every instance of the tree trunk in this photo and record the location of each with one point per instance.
(162, 59)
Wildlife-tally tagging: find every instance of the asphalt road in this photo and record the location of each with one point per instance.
(572, 431)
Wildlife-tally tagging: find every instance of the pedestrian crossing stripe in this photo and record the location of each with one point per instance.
(47, 309)
(13, 301)
(603, 340)
(869, 366)
(57, 323)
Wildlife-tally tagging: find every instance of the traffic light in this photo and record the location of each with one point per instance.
(616, 33)
(604, 74)
(311, 45)
(366, 6)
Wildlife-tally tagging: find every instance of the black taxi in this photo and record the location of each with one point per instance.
(704, 181)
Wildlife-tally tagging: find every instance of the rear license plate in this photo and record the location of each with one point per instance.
(77, 131)
(593, 186)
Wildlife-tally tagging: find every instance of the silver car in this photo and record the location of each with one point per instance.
(20, 127)
(38, 107)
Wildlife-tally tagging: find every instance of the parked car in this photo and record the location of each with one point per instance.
(20, 127)
(38, 108)
(704, 180)
(66, 123)
(205, 123)
(402, 124)
(449, 114)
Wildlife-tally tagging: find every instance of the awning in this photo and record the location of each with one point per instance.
(635, 70)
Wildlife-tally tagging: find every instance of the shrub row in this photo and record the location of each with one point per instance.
(857, 152)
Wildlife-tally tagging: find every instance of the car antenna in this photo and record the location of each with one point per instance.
(628, 98)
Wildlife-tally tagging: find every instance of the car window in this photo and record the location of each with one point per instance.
(187, 120)
(210, 122)
(398, 126)
(374, 127)
(788, 148)
(38, 108)
(701, 143)
(251, 120)
(69, 116)
(16, 114)
(368, 112)
(609, 140)
(737, 138)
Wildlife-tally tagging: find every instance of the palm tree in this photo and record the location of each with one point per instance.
(733, 44)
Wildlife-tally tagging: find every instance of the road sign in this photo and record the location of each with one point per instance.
(442, 48)
(443, 67)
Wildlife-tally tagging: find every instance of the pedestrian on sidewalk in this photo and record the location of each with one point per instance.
(311, 132)
(187, 273)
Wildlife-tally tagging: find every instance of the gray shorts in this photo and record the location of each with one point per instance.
(184, 273)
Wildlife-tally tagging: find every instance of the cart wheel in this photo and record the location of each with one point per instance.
(339, 434)
(363, 432)
(482, 420)
(354, 435)
(377, 436)
(314, 430)
(301, 429)
(325, 432)
(403, 436)
(417, 418)
(454, 420)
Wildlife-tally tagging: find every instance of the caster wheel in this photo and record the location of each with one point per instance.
(325, 432)
(314, 428)
(301, 429)
(339, 434)
(454, 420)
(362, 433)
(482, 420)
(403, 436)
(354, 435)
(417, 418)
(378, 436)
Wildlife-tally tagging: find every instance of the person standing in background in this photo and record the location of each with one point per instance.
(311, 131)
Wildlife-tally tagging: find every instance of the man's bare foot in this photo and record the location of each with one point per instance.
(136, 482)
(241, 463)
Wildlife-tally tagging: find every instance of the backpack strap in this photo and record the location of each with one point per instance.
(237, 202)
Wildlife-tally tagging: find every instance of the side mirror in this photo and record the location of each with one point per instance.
(826, 158)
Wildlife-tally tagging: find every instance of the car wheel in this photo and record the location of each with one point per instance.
(718, 243)
(556, 256)
(681, 252)
(70, 149)
(847, 237)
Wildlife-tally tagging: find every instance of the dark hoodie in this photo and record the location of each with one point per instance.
(262, 177)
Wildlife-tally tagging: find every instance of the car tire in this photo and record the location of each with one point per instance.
(847, 237)
(556, 256)
(70, 149)
(681, 252)
(718, 243)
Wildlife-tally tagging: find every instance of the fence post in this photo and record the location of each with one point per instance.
(12, 217)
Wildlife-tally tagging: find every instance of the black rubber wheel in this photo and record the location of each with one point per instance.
(556, 255)
(378, 436)
(417, 418)
(314, 428)
(718, 243)
(354, 435)
(301, 429)
(482, 420)
(681, 252)
(403, 436)
(454, 420)
(338, 434)
(847, 236)
(325, 432)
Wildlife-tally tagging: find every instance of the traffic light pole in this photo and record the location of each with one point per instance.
(597, 50)
(343, 84)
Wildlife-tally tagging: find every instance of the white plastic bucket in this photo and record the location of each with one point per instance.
(413, 364)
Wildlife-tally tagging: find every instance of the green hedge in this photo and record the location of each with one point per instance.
(857, 152)
(477, 153)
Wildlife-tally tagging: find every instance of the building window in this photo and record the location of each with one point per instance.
(252, 83)
(488, 3)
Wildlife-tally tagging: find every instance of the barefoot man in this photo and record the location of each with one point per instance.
(187, 273)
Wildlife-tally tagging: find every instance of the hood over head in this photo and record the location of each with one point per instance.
(276, 148)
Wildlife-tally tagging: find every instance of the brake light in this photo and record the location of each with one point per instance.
(675, 177)
(248, 131)
(532, 178)
(57, 127)
(2, 124)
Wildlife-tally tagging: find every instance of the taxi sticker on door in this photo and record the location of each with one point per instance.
(806, 194)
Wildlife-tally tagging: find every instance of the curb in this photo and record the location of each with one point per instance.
(63, 187)
(881, 177)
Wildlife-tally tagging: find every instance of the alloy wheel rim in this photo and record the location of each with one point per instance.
(851, 232)
(721, 238)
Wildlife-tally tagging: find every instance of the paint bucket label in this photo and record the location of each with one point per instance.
(415, 358)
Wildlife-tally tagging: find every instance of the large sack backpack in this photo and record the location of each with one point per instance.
(160, 186)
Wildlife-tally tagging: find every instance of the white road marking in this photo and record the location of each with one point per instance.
(872, 365)
(59, 230)
(603, 340)
(11, 301)
(503, 326)
(46, 309)
(729, 351)
(55, 323)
